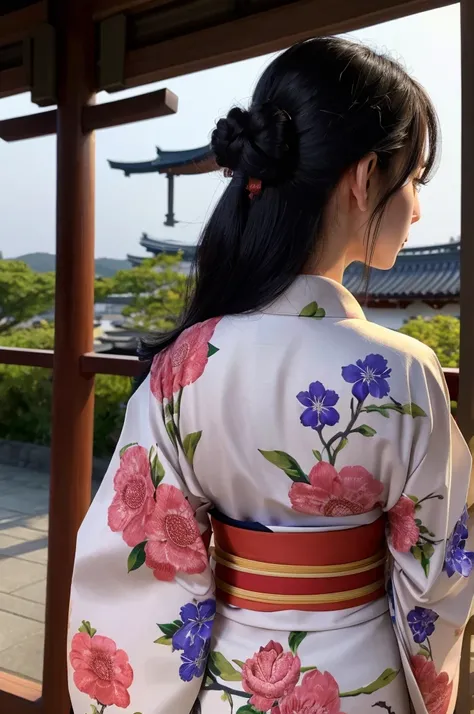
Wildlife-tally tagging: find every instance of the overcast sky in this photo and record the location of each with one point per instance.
(428, 45)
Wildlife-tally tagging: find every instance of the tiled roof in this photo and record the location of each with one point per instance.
(430, 272)
(187, 161)
(168, 246)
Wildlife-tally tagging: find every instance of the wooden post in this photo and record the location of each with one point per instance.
(465, 412)
(170, 220)
(466, 377)
(73, 392)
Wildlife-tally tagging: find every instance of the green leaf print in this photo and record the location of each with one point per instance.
(413, 410)
(385, 678)
(190, 444)
(219, 666)
(424, 652)
(286, 463)
(94, 709)
(156, 467)
(383, 409)
(124, 448)
(163, 641)
(172, 432)
(86, 627)
(313, 310)
(307, 669)
(342, 444)
(410, 409)
(423, 552)
(317, 454)
(170, 628)
(238, 662)
(211, 350)
(136, 557)
(365, 430)
(247, 709)
(295, 639)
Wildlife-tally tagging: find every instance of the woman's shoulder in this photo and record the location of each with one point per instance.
(404, 348)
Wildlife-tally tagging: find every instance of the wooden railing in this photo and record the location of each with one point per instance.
(93, 363)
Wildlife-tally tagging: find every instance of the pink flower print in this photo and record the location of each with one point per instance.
(436, 689)
(161, 376)
(317, 694)
(270, 674)
(183, 362)
(133, 502)
(351, 491)
(101, 670)
(403, 530)
(174, 540)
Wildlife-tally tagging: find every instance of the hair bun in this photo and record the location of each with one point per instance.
(256, 142)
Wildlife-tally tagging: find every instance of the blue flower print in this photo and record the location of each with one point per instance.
(368, 376)
(421, 622)
(457, 559)
(197, 619)
(194, 660)
(319, 403)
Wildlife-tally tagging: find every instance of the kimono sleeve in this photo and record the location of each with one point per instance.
(431, 586)
(142, 599)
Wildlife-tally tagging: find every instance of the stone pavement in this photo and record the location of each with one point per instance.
(23, 558)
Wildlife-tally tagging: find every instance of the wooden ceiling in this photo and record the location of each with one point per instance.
(141, 41)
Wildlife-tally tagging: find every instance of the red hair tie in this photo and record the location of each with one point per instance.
(254, 187)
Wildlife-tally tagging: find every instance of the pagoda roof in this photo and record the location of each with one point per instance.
(152, 245)
(188, 161)
(423, 273)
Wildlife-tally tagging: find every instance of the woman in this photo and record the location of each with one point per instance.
(321, 445)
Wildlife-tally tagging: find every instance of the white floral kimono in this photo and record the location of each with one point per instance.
(302, 418)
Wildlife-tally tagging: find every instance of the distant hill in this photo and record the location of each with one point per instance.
(45, 262)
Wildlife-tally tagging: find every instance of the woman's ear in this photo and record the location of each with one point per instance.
(360, 180)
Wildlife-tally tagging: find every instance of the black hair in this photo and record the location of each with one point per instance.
(318, 109)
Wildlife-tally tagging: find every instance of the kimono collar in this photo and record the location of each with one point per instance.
(317, 297)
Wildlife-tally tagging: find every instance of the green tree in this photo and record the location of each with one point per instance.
(23, 293)
(157, 292)
(441, 333)
(25, 397)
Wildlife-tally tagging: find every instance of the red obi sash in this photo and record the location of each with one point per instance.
(314, 571)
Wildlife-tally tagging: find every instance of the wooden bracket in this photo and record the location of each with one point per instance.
(125, 111)
(43, 65)
(113, 32)
(94, 116)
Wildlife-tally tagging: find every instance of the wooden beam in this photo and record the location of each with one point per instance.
(30, 126)
(93, 363)
(106, 8)
(98, 116)
(26, 358)
(73, 393)
(466, 381)
(15, 26)
(124, 111)
(14, 81)
(19, 696)
(261, 33)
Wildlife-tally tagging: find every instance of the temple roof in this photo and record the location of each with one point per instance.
(188, 161)
(168, 246)
(422, 273)
(430, 272)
